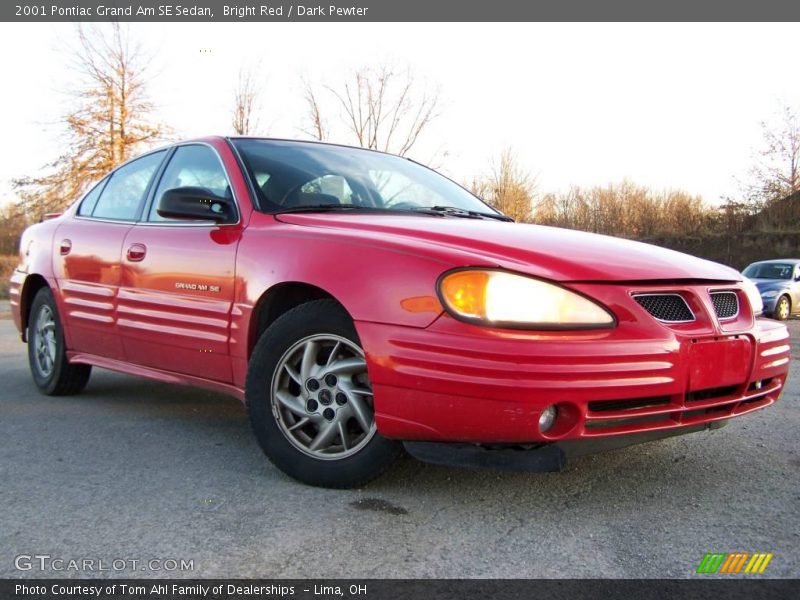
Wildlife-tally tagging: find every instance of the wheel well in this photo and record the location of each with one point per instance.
(33, 283)
(278, 300)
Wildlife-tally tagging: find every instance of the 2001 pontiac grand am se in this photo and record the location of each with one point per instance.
(358, 301)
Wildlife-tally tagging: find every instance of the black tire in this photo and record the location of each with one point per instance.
(63, 378)
(311, 319)
(783, 308)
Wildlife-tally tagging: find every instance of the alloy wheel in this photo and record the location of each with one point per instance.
(783, 308)
(322, 398)
(44, 341)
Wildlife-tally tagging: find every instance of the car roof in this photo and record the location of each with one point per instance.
(260, 138)
(792, 261)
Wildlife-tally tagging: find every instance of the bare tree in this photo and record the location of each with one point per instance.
(245, 103)
(12, 222)
(776, 172)
(110, 120)
(508, 187)
(379, 108)
(317, 127)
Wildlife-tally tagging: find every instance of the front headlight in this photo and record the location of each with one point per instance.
(753, 295)
(499, 298)
(769, 294)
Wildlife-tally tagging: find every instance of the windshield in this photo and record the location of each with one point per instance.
(769, 271)
(295, 175)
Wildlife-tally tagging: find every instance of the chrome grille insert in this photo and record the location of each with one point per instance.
(667, 308)
(726, 304)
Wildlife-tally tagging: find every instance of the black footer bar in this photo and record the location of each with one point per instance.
(379, 589)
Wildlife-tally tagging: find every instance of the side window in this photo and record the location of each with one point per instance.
(125, 190)
(191, 166)
(261, 179)
(90, 200)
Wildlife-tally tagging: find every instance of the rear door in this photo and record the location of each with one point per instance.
(87, 250)
(177, 286)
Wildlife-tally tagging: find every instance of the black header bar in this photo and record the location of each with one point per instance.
(398, 10)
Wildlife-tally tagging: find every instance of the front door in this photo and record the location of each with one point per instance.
(177, 287)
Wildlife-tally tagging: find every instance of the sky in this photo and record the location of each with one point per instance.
(669, 106)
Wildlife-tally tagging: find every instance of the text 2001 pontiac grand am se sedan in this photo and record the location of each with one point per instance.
(357, 301)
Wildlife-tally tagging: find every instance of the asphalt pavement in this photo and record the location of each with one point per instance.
(133, 470)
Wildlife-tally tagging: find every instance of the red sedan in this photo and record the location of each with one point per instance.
(356, 300)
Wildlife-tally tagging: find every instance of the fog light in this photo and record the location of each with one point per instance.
(547, 418)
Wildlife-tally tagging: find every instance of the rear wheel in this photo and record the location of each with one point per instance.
(783, 308)
(47, 352)
(310, 399)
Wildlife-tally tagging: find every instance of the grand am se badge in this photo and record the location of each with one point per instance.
(197, 287)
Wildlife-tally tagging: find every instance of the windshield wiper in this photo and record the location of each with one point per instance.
(325, 208)
(438, 211)
(454, 211)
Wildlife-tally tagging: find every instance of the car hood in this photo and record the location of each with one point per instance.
(549, 252)
(770, 284)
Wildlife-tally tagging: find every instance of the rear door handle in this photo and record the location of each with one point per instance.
(137, 252)
(66, 247)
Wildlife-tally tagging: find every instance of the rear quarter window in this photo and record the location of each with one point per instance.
(90, 200)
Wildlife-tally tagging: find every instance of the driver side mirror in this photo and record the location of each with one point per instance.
(194, 203)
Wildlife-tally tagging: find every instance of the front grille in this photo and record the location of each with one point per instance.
(711, 393)
(614, 417)
(633, 404)
(726, 304)
(668, 308)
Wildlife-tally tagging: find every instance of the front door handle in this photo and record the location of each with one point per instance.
(66, 247)
(137, 252)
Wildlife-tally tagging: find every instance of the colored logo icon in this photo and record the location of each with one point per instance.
(734, 563)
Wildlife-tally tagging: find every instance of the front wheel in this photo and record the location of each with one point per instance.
(310, 399)
(783, 308)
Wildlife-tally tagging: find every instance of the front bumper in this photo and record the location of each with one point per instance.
(458, 382)
(770, 304)
(15, 286)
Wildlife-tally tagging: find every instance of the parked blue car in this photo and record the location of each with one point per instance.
(779, 283)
